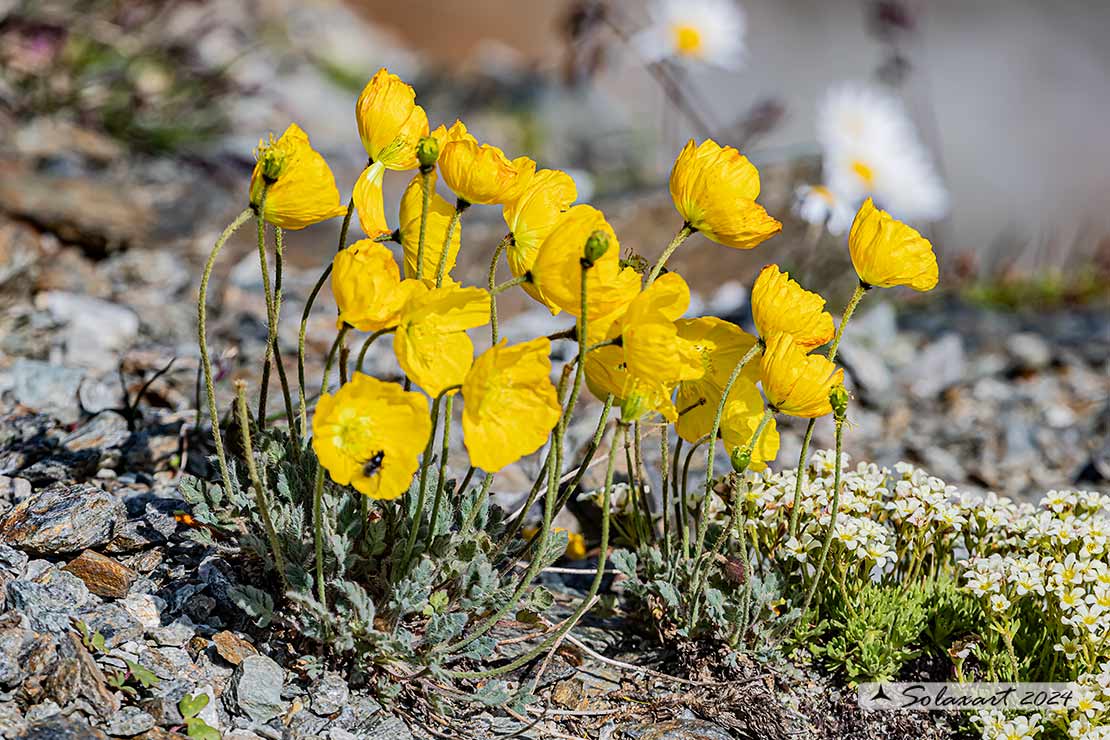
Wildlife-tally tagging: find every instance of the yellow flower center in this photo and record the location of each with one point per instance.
(823, 193)
(864, 172)
(687, 39)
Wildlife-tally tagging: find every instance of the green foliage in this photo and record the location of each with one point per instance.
(195, 727)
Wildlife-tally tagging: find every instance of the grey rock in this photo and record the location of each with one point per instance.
(12, 723)
(877, 326)
(676, 729)
(103, 575)
(13, 490)
(387, 727)
(146, 609)
(104, 431)
(96, 330)
(1030, 351)
(113, 622)
(58, 727)
(939, 365)
(76, 676)
(163, 705)
(51, 601)
(329, 693)
(257, 684)
(868, 371)
(63, 519)
(12, 565)
(65, 467)
(128, 722)
(175, 634)
(16, 640)
(51, 389)
(42, 711)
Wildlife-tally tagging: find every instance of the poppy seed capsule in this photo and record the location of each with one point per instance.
(838, 399)
(596, 246)
(740, 458)
(427, 152)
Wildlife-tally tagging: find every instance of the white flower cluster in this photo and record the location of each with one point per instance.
(1085, 717)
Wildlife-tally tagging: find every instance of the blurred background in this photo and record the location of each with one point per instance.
(127, 129)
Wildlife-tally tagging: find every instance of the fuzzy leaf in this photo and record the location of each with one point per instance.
(257, 604)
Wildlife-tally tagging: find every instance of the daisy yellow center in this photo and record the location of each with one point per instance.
(823, 193)
(687, 39)
(864, 172)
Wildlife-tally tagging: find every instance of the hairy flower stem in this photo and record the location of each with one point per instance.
(479, 503)
(499, 289)
(287, 398)
(504, 244)
(202, 330)
(422, 493)
(664, 469)
(331, 358)
(441, 482)
(366, 345)
(460, 206)
(271, 324)
(682, 235)
(849, 309)
(685, 499)
(301, 345)
(587, 600)
(259, 492)
(703, 514)
(318, 530)
(834, 509)
(588, 457)
(426, 190)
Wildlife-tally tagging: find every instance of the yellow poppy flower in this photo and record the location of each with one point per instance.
(642, 371)
(300, 188)
(367, 286)
(714, 189)
(532, 216)
(739, 422)
(781, 304)
(720, 346)
(369, 203)
(370, 434)
(557, 270)
(439, 218)
(390, 123)
(431, 342)
(886, 252)
(511, 404)
(481, 173)
(796, 383)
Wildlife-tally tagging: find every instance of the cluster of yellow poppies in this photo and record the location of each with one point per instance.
(700, 374)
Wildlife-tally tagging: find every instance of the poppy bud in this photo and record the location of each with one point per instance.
(838, 399)
(741, 458)
(427, 152)
(596, 247)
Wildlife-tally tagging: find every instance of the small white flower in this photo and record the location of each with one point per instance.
(709, 31)
(818, 205)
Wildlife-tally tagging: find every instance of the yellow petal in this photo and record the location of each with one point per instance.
(390, 123)
(367, 286)
(796, 383)
(533, 215)
(781, 304)
(369, 203)
(440, 213)
(886, 252)
(299, 186)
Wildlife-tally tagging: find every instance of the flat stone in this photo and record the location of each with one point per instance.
(63, 519)
(257, 684)
(51, 601)
(329, 693)
(103, 575)
(58, 727)
(1030, 351)
(104, 431)
(145, 608)
(233, 648)
(114, 623)
(97, 331)
(175, 634)
(129, 721)
(49, 388)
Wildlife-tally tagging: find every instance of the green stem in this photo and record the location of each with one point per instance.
(588, 457)
(271, 323)
(287, 398)
(441, 483)
(682, 235)
(331, 358)
(425, 185)
(259, 493)
(504, 244)
(845, 317)
(664, 469)
(318, 529)
(679, 515)
(703, 519)
(833, 511)
(422, 493)
(301, 345)
(686, 497)
(202, 330)
(483, 494)
(366, 345)
(460, 206)
(595, 585)
(497, 290)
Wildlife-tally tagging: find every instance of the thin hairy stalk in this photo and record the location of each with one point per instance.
(441, 483)
(595, 585)
(422, 492)
(641, 473)
(301, 345)
(703, 519)
(682, 235)
(587, 458)
(331, 358)
(499, 289)
(202, 341)
(271, 322)
(426, 190)
(679, 514)
(664, 469)
(504, 244)
(366, 345)
(441, 270)
(483, 494)
(834, 509)
(287, 398)
(849, 309)
(259, 492)
(318, 530)
(685, 495)
(346, 224)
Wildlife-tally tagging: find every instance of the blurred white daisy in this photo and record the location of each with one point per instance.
(870, 148)
(816, 204)
(709, 31)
